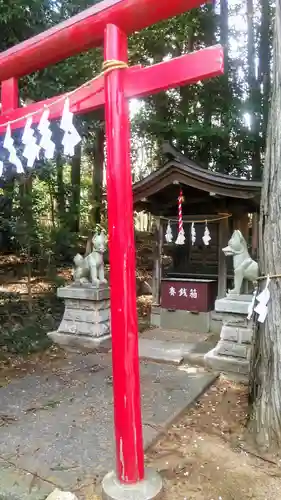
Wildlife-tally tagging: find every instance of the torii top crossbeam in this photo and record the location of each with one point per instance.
(85, 31)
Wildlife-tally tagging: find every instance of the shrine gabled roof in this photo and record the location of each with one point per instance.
(180, 170)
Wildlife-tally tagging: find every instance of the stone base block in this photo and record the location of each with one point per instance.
(233, 349)
(234, 334)
(84, 292)
(235, 304)
(155, 317)
(237, 320)
(149, 489)
(215, 322)
(227, 364)
(81, 342)
(85, 325)
(233, 352)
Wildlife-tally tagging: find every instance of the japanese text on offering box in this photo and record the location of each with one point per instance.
(192, 293)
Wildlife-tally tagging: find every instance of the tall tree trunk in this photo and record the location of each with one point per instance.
(226, 92)
(52, 207)
(25, 193)
(265, 389)
(186, 93)
(97, 183)
(264, 61)
(27, 236)
(209, 27)
(75, 186)
(6, 211)
(254, 95)
(60, 190)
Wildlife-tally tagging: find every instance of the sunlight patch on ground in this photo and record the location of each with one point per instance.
(191, 369)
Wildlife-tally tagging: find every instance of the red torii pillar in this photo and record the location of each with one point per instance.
(127, 401)
(114, 19)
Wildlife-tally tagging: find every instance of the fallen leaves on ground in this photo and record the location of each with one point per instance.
(203, 456)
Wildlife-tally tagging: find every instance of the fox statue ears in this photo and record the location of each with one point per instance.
(239, 235)
(101, 237)
(238, 232)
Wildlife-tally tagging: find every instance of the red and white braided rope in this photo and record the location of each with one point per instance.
(181, 237)
(180, 199)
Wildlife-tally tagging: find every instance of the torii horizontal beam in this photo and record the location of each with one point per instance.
(85, 31)
(139, 82)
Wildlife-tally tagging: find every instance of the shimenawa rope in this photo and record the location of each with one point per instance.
(107, 67)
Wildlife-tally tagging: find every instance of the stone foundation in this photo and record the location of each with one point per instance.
(85, 325)
(233, 352)
(180, 320)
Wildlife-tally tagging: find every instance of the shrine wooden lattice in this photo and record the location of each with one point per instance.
(109, 23)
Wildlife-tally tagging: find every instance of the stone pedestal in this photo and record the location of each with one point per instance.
(233, 351)
(85, 325)
(150, 488)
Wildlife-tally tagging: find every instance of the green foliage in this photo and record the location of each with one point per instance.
(24, 332)
(208, 121)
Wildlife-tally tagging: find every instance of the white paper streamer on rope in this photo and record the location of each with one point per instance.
(180, 238)
(193, 234)
(31, 150)
(1, 168)
(71, 137)
(46, 142)
(207, 237)
(9, 145)
(169, 233)
(263, 298)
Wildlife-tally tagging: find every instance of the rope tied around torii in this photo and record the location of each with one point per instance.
(112, 64)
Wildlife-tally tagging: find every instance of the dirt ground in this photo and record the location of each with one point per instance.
(203, 456)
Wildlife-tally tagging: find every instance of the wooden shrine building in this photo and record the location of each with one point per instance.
(188, 278)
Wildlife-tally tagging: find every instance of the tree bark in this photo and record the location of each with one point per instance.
(6, 211)
(209, 39)
(52, 207)
(25, 194)
(96, 191)
(226, 91)
(60, 190)
(265, 384)
(97, 184)
(254, 96)
(75, 197)
(264, 61)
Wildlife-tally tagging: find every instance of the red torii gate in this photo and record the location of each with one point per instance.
(110, 22)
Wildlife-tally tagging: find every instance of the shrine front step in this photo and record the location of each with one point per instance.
(180, 320)
(176, 353)
(232, 366)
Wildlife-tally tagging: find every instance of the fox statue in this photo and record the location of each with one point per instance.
(244, 266)
(90, 269)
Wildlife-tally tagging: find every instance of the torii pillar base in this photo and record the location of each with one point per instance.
(150, 488)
